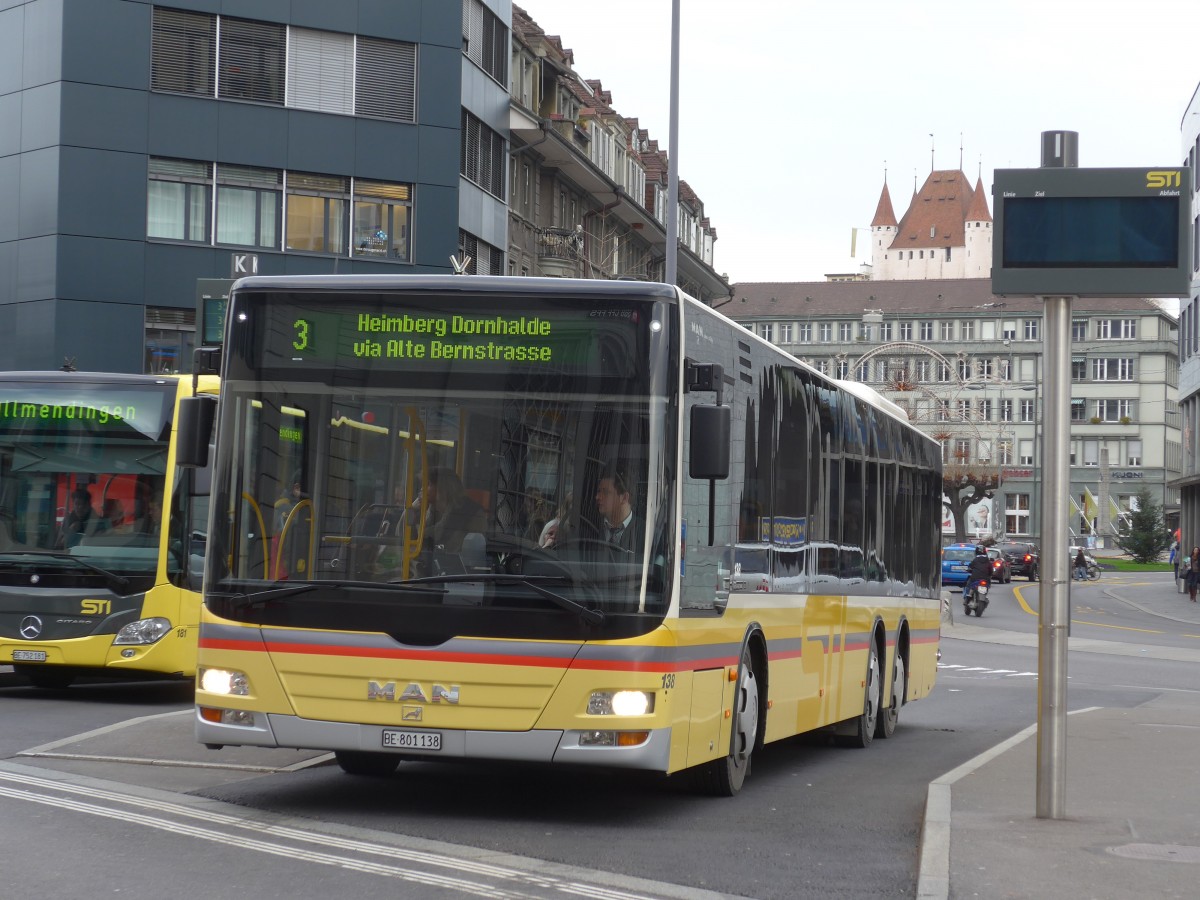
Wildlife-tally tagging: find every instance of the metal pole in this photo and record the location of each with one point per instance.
(1054, 613)
(672, 273)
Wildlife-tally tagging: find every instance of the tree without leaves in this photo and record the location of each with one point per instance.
(965, 485)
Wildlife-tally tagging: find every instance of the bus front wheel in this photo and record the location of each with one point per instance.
(725, 777)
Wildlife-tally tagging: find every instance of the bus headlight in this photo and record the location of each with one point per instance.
(620, 703)
(225, 682)
(143, 631)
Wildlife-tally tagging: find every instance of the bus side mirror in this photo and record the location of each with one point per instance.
(709, 444)
(193, 431)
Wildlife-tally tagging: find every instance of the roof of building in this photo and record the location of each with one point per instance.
(959, 296)
(884, 214)
(937, 214)
(978, 210)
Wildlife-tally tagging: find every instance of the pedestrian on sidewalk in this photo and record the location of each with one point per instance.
(1193, 573)
(1080, 566)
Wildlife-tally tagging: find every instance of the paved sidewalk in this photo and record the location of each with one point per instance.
(1132, 826)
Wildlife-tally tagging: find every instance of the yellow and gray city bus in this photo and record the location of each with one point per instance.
(374, 626)
(101, 538)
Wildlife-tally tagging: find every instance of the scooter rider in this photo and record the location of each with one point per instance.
(980, 570)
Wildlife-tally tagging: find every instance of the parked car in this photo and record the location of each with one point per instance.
(1001, 567)
(1022, 557)
(956, 560)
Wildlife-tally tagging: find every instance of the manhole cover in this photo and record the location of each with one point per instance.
(1158, 852)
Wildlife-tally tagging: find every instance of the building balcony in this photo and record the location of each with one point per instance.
(559, 251)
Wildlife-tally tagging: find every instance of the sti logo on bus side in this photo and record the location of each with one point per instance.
(437, 694)
(1162, 179)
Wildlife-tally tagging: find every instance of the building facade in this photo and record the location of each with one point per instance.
(1189, 339)
(966, 365)
(150, 152)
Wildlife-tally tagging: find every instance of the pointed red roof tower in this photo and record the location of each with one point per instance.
(977, 211)
(884, 214)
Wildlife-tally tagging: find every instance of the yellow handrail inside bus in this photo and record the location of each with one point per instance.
(262, 529)
(287, 523)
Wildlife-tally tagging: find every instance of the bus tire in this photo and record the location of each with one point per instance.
(724, 777)
(885, 727)
(361, 762)
(863, 725)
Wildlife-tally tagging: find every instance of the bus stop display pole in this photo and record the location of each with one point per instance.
(1054, 610)
(671, 275)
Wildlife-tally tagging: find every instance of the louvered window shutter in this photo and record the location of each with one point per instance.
(386, 79)
(252, 60)
(182, 49)
(321, 71)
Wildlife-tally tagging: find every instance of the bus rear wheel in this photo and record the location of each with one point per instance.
(725, 777)
(885, 727)
(361, 762)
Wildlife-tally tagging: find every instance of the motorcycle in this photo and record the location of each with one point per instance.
(975, 598)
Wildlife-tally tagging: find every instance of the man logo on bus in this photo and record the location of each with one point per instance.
(1162, 179)
(437, 693)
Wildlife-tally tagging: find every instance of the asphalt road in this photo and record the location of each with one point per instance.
(814, 820)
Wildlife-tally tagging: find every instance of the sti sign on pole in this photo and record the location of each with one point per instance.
(1091, 232)
(1062, 232)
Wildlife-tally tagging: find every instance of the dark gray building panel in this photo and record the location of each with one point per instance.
(38, 203)
(12, 49)
(104, 117)
(384, 152)
(320, 143)
(36, 264)
(440, 68)
(401, 20)
(441, 23)
(266, 10)
(251, 134)
(10, 197)
(107, 42)
(98, 337)
(182, 127)
(97, 269)
(42, 62)
(102, 193)
(172, 270)
(322, 14)
(41, 115)
(8, 279)
(438, 152)
(10, 124)
(435, 231)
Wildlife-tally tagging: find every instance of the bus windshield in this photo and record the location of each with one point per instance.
(429, 466)
(82, 471)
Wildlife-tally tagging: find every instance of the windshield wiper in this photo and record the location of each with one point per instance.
(249, 599)
(533, 582)
(120, 582)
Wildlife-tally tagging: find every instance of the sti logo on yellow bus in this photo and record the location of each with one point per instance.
(95, 607)
(1163, 179)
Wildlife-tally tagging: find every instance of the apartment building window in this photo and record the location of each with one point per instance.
(1079, 329)
(382, 216)
(485, 39)
(984, 451)
(943, 410)
(1078, 368)
(785, 333)
(1006, 410)
(320, 71)
(1026, 410)
(482, 160)
(1108, 369)
(823, 366)
(1016, 513)
(766, 331)
(1032, 330)
(251, 60)
(1133, 453)
(842, 370)
(385, 81)
(1091, 453)
(906, 331)
(962, 451)
(806, 333)
(318, 212)
(1008, 331)
(967, 327)
(885, 331)
(943, 373)
(826, 330)
(947, 456)
(947, 330)
(964, 369)
(985, 410)
(1114, 410)
(963, 412)
(1116, 329)
(923, 371)
(1025, 452)
(178, 200)
(1004, 447)
(862, 372)
(485, 259)
(926, 331)
(883, 371)
(183, 47)
(845, 331)
(248, 206)
(1078, 410)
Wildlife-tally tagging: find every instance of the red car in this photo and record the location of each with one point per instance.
(1001, 567)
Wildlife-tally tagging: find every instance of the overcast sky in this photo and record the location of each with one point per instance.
(790, 110)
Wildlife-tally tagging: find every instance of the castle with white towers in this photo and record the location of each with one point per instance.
(945, 233)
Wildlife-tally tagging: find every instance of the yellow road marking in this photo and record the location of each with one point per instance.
(1119, 627)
